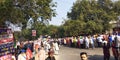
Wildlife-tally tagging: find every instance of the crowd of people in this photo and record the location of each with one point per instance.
(45, 49)
(40, 49)
(105, 41)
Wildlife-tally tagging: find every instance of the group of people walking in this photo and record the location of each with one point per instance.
(105, 41)
(112, 44)
(41, 48)
(37, 50)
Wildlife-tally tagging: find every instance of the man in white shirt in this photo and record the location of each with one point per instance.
(81, 42)
(22, 55)
(99, 38)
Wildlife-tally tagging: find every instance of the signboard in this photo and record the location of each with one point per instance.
(6, 57)
(6, 48)
(6, 38)
(9, 31)
(3, 41)
(33, 32)
(6, 45)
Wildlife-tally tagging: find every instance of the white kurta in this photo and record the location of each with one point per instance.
(22, 56)
(87, 42)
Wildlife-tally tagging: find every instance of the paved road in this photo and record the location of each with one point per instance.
(67, 53)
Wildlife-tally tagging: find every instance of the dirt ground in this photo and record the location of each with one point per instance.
(67, 53)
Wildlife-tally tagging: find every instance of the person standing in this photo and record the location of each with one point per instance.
(91, 42)
(106, 50)
(78, 42)
(114, 51)
(81, 42)
(47, 47)
(22, 55)
(99, 40)
(87, 42)
(117, 45)
(36, 54)
(13, 56)
(42, 54)
(110, 39)
(29, 54)
(56, 47)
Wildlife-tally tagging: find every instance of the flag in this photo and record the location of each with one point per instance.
(28, 54)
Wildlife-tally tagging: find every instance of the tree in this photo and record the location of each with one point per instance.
(116, 8)
(73, 28)
(61, 32)
(53, 31)
(20, 11)
(95, 14)
(92, 28)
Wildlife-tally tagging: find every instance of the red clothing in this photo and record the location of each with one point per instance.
(114, 50)
(106, 51)
(78, 43)
(28, 54)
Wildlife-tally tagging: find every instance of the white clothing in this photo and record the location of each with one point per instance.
(13, 57)
(118, 41)
(56, 46)
(47, 47)
(18, 43)
(42, 55)
(113, 36)
(91, 41)
(22, 57)
(99, 39)
(87, 42)
(64, 41)
(81, 41)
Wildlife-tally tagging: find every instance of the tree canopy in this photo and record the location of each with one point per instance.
(85, 17)
(95, 15)
(20, 11)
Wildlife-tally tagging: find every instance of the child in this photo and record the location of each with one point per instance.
(50, 56)
(83, 56)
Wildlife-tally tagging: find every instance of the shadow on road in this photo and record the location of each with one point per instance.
(98, 57)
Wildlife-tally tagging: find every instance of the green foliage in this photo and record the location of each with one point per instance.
(86, 16)
(73, 28)
(61, 32)
(95, 15)
(19, 11)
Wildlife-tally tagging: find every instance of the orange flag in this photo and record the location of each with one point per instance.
(28, 54)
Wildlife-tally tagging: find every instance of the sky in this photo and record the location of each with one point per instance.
(63, 6)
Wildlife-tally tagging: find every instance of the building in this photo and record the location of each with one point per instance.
(115, 26)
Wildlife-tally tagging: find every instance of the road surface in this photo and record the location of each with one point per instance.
(67, 53)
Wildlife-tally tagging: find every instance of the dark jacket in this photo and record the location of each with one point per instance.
(106, 50)
(50, 58)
